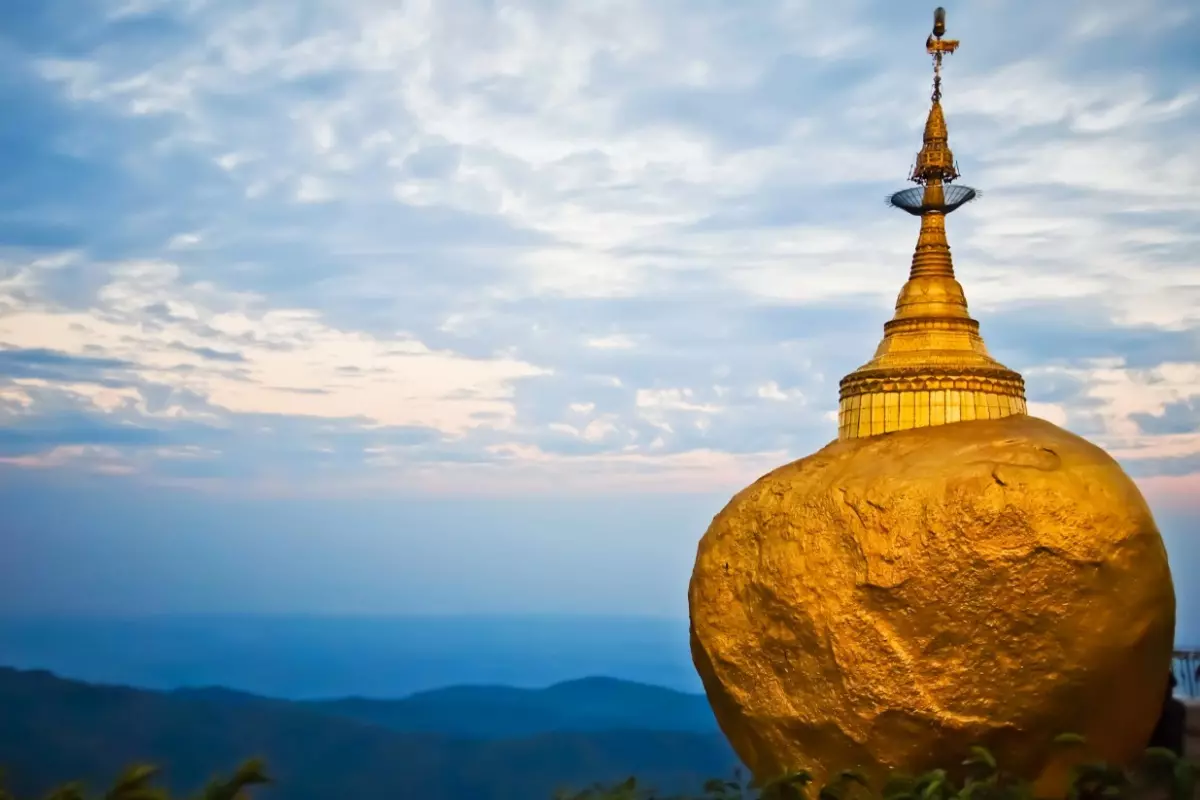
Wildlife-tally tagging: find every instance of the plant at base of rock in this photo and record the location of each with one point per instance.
(1164, 769)
(251, 773)
(1158, 775)
(795, 786)
(627, 790)
(735, 789)
(789, 786)
(133, 784)
(983, 780)
(136, 783)
(69, 791)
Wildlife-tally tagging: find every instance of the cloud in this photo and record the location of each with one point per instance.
(66, 431)
(471, 244)
(49, 364)
(243, 357)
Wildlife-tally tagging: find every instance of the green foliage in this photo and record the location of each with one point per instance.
(138, 783)
(1158, 775)
(251, 773)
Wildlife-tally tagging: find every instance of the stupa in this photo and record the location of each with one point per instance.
(950, 571)
(932, 366)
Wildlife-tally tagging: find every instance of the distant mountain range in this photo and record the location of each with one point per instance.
(463, 742)
(300, 657)
(503, 712)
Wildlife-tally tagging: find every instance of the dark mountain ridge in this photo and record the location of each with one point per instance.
(53, 730)
(502, 712)
(497, 712)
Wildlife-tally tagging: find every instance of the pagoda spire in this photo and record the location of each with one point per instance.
(932, 367)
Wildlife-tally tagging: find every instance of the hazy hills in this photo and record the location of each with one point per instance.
(504, 712)
(300, 657)
(497, 712)
(477, 742)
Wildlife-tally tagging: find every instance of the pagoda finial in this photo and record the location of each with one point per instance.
(935, 162)
(932, 367)
(936, 46)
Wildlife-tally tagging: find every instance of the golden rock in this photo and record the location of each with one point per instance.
(889, 601)
(949, 572)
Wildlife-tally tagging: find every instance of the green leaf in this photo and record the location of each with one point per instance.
(251, 773)
(933, 777)
(981, 756)
(1092, 770)
(134, 784)
(1070, 739)
(968, 791)
(934, 787)
(69, 791)
(1183, 784)
(792, 784)
(853, 776)
(799, 778)
(1160, 754)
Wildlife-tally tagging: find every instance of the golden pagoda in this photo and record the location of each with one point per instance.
(948, 572)
(932, 366)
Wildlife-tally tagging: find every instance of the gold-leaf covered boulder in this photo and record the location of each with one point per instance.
(891, 600)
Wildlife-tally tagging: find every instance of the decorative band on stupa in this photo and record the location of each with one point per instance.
(932, 367)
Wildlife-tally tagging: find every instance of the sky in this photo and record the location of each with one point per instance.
(471, 305)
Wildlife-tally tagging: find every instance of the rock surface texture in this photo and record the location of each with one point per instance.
(889, 601)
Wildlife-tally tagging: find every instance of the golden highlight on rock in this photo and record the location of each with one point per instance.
(949, 572)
